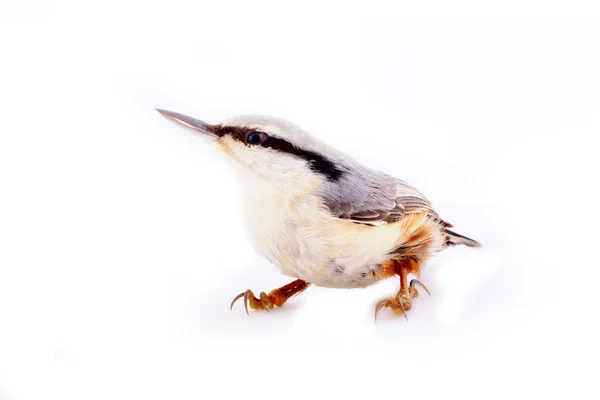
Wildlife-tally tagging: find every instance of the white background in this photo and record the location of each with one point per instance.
(120, 239)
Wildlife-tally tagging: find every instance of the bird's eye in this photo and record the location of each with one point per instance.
(256, 137)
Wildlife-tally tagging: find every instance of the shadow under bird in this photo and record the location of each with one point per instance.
(322, 217)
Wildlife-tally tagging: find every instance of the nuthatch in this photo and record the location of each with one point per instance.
(322, 217)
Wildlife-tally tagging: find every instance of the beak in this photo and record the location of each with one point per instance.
(190, 122)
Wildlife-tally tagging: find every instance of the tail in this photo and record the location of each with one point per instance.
(453, 239)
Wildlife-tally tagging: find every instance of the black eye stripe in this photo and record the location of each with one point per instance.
(238, 133)
(317, 162)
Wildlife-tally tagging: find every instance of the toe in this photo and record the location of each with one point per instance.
(266, 301)
(405, 304)
(394, 303)
(380, 305)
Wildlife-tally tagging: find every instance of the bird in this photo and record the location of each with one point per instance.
(323, 218)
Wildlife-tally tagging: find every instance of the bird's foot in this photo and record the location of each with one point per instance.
(275, 298)
(402, 302)
(264, 302)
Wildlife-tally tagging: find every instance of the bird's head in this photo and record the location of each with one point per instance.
(273, 149)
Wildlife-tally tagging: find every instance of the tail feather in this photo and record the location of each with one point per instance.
(453, 239)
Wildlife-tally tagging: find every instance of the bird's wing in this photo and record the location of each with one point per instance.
(375, 198)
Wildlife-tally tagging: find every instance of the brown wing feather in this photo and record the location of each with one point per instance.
(375, 198)
(404, 205)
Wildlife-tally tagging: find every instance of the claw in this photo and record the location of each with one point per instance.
(419, 283)
(239, 296)
(403, 311)
(246, 295)
(247, 300)
(379, 306)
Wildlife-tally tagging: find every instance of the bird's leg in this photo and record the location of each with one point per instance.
(275, 298)
(402, 302)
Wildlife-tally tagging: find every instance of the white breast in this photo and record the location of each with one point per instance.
(299, 236)
(270, 225)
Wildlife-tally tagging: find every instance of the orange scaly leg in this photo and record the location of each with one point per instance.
(275, 297)
(402, 302)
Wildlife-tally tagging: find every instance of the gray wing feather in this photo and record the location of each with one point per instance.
(372, 197)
